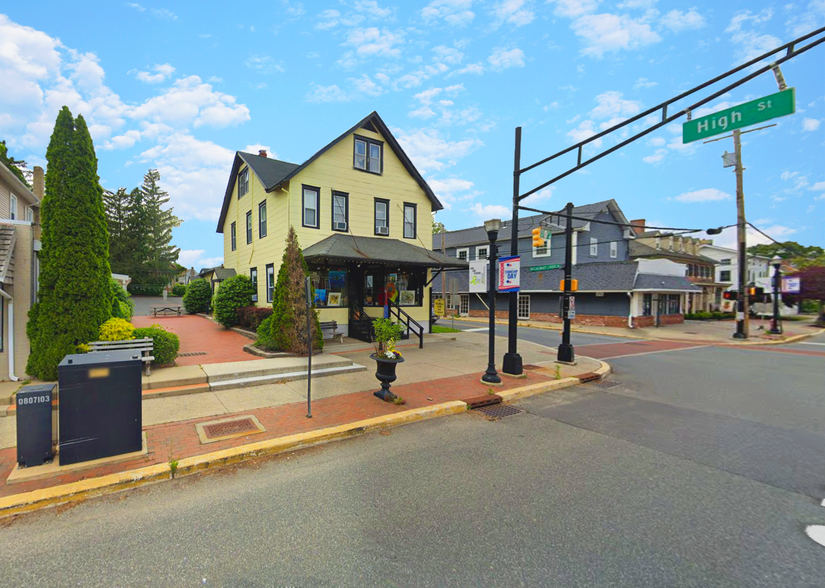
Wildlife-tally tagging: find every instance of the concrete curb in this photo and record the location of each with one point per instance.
(84, 489)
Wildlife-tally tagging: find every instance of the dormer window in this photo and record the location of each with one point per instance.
(243, 182)
(368, 155)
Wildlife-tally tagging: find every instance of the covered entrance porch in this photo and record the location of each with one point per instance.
(360, 279)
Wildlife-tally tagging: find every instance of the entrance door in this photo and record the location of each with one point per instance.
(464, 305)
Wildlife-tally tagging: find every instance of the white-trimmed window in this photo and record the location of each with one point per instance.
(340, 211)
(523, 306)
(367, 155)
(248, 227)
(310, 213)
(233, 236)
(262, 220)
(270, 282)
(594, 247)
(462, 254)
(482, 252)
(409, 221)
(382, 217)
(253, 277)
(30, 214)
(614, 249)
(243, 182)
(544, 251)
(13, 207)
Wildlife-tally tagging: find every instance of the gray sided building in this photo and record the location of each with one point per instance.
(613, 289)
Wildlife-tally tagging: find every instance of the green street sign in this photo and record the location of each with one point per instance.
(750, 113)
(541, 268)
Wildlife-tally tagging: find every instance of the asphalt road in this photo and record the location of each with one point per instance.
(541, 336)
(700, 467)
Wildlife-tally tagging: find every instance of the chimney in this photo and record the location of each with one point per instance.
(638, 226)
(39, 182)
(262, 152)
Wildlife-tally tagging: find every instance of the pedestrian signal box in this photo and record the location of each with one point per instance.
(731, 295)
(574, 285)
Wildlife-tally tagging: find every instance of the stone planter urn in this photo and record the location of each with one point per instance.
(385, 373)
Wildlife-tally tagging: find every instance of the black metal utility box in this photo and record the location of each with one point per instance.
(34, 424)
(100, 405)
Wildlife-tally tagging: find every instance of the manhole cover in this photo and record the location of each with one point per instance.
(228, 428)
(604, 383)
(498, 411)
(191, 353)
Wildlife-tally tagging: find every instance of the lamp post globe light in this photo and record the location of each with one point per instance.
(776, 325)
(492, 227)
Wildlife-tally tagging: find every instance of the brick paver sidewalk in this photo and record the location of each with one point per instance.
(179, 440)
(200, 335)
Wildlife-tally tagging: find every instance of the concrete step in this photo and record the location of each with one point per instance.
(245, 382)
(241, 370)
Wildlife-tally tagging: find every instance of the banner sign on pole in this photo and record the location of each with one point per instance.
(438, 306)
(571, 314)
(509, 273)
(791, 285)
(478, 275)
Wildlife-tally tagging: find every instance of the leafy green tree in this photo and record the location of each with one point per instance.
(75, 296)
(233, 293)
(289, 322)
(799, 255)
(12, 163)
(198, 296)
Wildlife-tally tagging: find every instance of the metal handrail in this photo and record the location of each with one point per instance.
(401, 315)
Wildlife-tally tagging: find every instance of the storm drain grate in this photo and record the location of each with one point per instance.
(498, 411)
(604, 384)
(227, 428)
(191, 353)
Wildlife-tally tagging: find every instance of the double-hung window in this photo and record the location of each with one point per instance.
(310, 208)
(243, 182)
(262, 220)
(594, 247)
(30, 214)
(270, 282)
(462, 254)
(409, 221)
(253, 277)
(481, 253)
(368, 154)
(340, 211)
(248, 227)
(614, 249)
(13, 207)
(382, 217)
(233, 236)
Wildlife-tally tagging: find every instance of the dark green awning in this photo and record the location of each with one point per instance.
(376, 250)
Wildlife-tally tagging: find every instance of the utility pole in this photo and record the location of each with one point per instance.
(742, 319)
(566, 354)
(512, 360)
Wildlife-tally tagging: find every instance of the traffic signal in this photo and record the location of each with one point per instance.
(756, 292)
(537, 240)
(730, 295)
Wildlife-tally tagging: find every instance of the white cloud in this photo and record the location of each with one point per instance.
(502, 59)
(162, 72)
(430, 152)
(164, 14)
(255, 148)
(452, 12)
(452, 190)
(656, 158)
(328, 19)
(656, 142)
(644, 83)
(612, 104)
(189, 257)
(676, 20)
(750, 44)
(137, 7)
(539, 197)
(489, 211)
(818, 186)
(322, 94)
(211, 261)
(372, 41)
(705, 195)
(574, 8)
(584, 131)
(473, 68)
(810, 124)
(264, 64)
(514, 12)
(728, 237)
(603, 33)
(124, 141)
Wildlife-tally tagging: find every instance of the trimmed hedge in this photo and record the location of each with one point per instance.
(178, 290)
(198, 296)
(116, 329)
(265, 339)
(165, 345)
(145, 290)
(234, 293)
(709, 316)
(251, 317)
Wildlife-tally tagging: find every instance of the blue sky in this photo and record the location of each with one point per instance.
(182, 86)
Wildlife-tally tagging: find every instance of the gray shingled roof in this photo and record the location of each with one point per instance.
(593, 277)
(638, 249)
(269, 171)
(345, 247)
(526, 224)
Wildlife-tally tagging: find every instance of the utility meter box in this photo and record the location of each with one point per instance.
(100, 405)
(34, 424)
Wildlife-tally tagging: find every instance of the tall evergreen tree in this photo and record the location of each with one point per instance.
(160, 222)
(118, 208)
(12, 163)
(74, 296)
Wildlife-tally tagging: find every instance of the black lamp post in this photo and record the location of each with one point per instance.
(776, 325)
(492, 227)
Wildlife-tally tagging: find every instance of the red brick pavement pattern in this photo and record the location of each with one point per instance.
(180, 439)
(608, 350)
(199, 334)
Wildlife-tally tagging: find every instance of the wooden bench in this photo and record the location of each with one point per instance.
(163, 310)
(142, 346)
(333, 326)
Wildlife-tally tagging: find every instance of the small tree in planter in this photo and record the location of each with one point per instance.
(386, 333)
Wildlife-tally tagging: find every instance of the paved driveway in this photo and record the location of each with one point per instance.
(143, 303)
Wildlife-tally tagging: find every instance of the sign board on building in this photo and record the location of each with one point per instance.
(750, 113)
(571, 314)
(542, 268)
(478, 275)
(509, 273)
(438, 306)
(791, 285)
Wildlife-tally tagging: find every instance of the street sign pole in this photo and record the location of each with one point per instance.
(566, 353)
(742, 319)
(512, 363)
(309, 346)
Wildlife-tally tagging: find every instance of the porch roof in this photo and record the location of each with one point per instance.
(344, 247)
